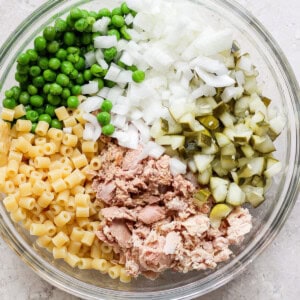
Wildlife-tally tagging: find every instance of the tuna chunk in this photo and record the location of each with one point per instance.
(115, 212)
(121, 233)
(151, 214)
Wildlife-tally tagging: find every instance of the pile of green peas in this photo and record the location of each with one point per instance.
(51, 74)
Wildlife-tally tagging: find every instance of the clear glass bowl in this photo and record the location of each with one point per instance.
(279, 84)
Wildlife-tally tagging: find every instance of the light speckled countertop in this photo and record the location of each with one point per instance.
(275, 274)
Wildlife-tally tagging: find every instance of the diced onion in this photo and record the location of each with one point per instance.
(104, 42)
(90, 88)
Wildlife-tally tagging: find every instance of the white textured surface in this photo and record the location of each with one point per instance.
(275, 274)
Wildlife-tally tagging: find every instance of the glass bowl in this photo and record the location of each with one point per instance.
(279, 83)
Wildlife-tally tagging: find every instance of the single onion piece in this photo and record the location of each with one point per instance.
(126, 59)
(177, 167)
(88, 132)
(124, 77)
(113, 72)
(209, 65)
(90, 88)
(155, 150)
(129, 19)
(91, 104)
(105, 42)
(101, 25)
(90, 59)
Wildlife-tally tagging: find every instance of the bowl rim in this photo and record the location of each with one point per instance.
(24, 252)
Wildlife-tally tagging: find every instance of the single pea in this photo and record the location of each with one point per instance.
(61, 54)
(50, 110)
(93, 14)
(33, 127)
(39, 110)
(49, 33)
(138, 76)
(124, 33)
(74, 74)
(110, 54)
(86, 38)
(23, 70)
(90, 48)
(53, 47)
(103, 118)
(104, 12)
(33, 56)
(133, 12)
(32, 115)
(80, 64)
(39, 81)
(66, 67)
(94, 35)
(100, 83)
(81, 25)
(36, 101)
(108, 129)
(73, 58)
(35, 71)
(32, 90)
(76, 13)
(40, 43)
(60, 25)
(54, 64)
(55, 89)
(76, 90)
(9, 103)
(118, 21)
(116, 12)
(65, 93)
(53, 99)
(106, 106)
(70, 85)
(24, 98)
(49, 75)
(16, 92)
(87, 75)
(23, 59)
(96, 70)
(114, 32)
(73, 50)
(125, 9)
(80, 79)
(56, 124)
(21, 78)
(90, 20)
(28, 107)
(108, 83)
(46, 88)
(9, 93)
(45, 118)
(69, 38)
(43, 63)
(73, 102)
(62, 80)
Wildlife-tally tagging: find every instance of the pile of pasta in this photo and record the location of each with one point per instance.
(48, 182)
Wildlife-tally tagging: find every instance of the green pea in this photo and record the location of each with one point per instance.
(33, 127)
(36, 101)
(49, 33)
(9, 103)
(33, 56)
(45, 118)
(56, 124)
(106, 106)
(23, 70)
(93, 14)
(81, 25)
(86, 38)
(50, 110)
(61, 54)
(133, 12)
(132, 68)
(49, 75)
(35, 71)
(28, 107)
(121, 64)
(40, 43)
(24, 98)
(80, 64)
(62, 80)
(116, 11)
(40, 110)
(96, 70)
(23, 59)
(80, 79)
(118, 21)
(108, 129)
(32, 90)
(114, 32)
(43, 63)
(60, 25)
(53, 99)
(9, 93)
(124, 8)
(73, 58)
(69, 38)
(46, 88)
(55, 89)
(138, 76)
(73, 102)
(87, 75)
(76, 13)
(76, 90)
(100, 83)
(73, 50)
(53, 47)
(124, 33)
(32, 115)
(65, 93)
(21, 78)
(74, 74)
(39, 81)
(16, 92)
(104, 118)
(66, 67)
(104, 12)
(54, 64)
(110, 54)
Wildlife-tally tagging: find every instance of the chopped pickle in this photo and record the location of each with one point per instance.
(202, 195)
(220, 109)
(209, 122)
(219, 212)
